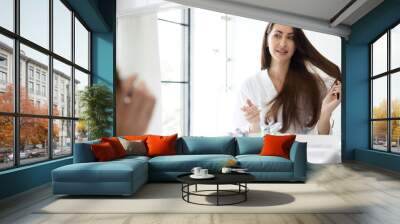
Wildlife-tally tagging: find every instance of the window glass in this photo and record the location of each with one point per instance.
(171, 51)
(62, 89)
(81, 131)
(81, 45)
(395, 136)
(62, 29)
(379, 98)
(35, 21)
(395, 94)
(34, 144)
(173, 112)
(6, 142)
(395, 47)
(173, 15)
(7, 14)
(379, 135)
(39, 62)
(6, 74)
(379, 58)
(62, 138)
(81, 82)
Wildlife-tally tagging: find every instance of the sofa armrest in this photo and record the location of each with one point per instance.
(298, 155)
(83, 152)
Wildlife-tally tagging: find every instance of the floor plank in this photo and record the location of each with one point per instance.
(376, 189)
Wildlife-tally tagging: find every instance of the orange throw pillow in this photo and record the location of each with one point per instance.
(116, 145)
(277, 145)
(135, 137)
(103, 152)
(161, 145)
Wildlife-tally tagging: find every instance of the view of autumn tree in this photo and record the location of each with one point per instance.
(33, 131)
(380, 128)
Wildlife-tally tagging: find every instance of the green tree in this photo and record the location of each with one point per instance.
(97, 102)
(33, 130)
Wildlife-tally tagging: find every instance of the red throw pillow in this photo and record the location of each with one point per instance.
(161, 145)
(116, 145)
(277, 145)
(103, 152)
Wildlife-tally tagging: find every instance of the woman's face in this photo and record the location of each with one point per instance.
(281, 42)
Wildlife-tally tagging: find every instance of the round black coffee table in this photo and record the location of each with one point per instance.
(238, 179)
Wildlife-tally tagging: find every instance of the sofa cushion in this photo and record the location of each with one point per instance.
(277, 145)
(161, 145)
(135, 137)
(185, 163)
(249, 145)
(206, 145)
(257, 163)
(133, 158)
(116, 145)
(134, 147)
(103, 152)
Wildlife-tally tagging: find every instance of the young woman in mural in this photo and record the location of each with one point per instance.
(289, 94)
(135, 105)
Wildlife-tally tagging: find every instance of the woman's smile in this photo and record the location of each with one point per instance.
(281, 51)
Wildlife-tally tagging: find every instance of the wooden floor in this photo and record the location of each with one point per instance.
(377, 188)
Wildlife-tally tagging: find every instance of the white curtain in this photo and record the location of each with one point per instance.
(138, 52)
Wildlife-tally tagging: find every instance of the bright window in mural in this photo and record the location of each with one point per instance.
(385, 96)
(48, 81)
(173, 30)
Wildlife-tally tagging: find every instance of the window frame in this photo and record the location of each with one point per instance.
(388, 74)
(16, 115)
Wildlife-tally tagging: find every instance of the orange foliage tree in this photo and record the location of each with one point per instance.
(380, 111)
(33, 130)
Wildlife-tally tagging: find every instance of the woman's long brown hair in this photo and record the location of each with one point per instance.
(301, 88)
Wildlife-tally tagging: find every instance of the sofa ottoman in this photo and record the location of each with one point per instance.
(119, 177)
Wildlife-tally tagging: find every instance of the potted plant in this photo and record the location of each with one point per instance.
(96, 102)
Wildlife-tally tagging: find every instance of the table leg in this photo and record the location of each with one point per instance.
(188, 192)
(245, 193)
(217, 194)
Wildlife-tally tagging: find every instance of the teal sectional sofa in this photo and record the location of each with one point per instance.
(125, 176)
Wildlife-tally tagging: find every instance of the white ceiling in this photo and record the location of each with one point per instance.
(320, 9)
(316, 15)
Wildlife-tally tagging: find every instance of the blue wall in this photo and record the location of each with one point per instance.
(103, 51)
(24, 178)
(100, 17)
(356, 85)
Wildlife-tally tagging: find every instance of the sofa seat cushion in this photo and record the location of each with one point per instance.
(257, 163)
(112, 171)
(133, 158)
(185, 163)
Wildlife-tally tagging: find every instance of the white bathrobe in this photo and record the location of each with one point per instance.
(260, 90)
